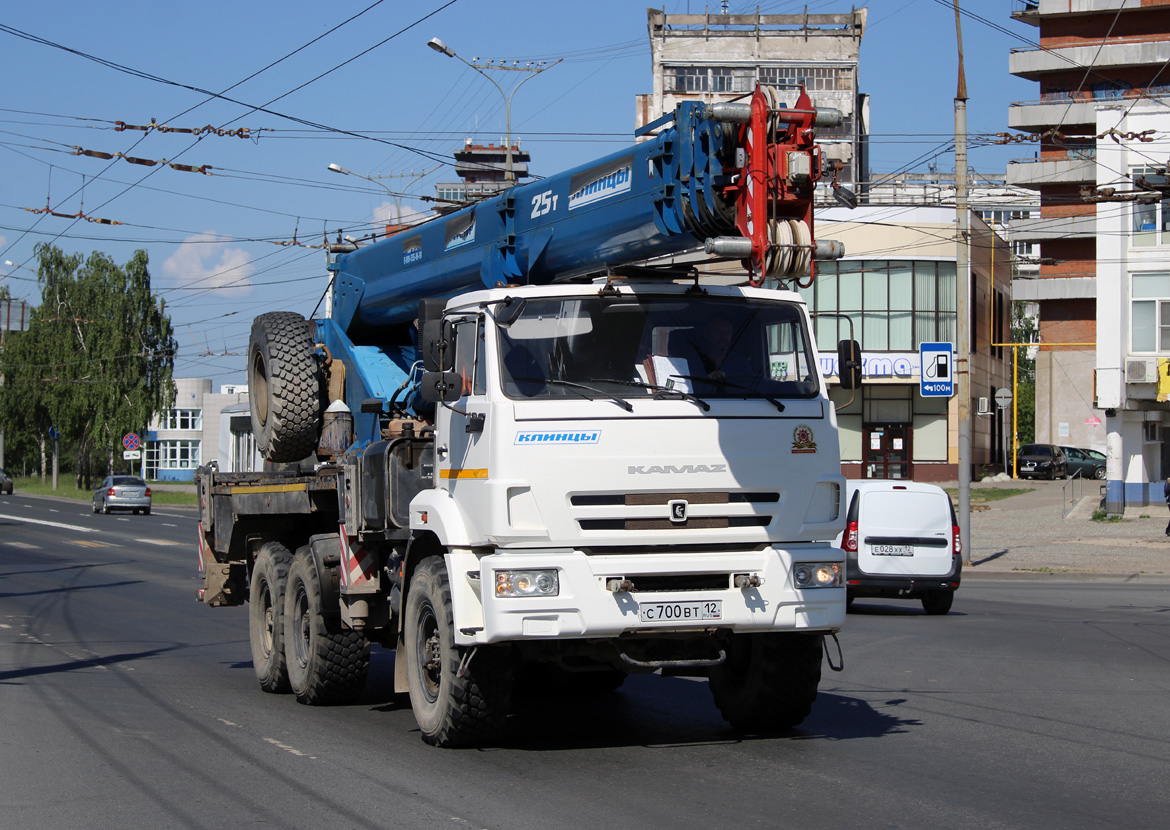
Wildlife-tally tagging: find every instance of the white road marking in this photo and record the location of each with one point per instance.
(78, 528)
(288, 748)
(159, 542)
(24, 545)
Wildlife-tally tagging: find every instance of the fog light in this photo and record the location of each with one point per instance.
(817, 574)
(543, 583)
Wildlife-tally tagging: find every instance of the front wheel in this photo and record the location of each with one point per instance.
(456, 702)
(327, 664)
(769, 681)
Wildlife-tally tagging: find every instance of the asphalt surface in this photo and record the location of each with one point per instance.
(1038, 702)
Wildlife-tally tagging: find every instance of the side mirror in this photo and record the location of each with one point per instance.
(509, 311)
(849, 364)
(441, 387)
(437, 345)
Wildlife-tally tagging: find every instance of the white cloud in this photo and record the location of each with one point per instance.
(202, 263)
(385, 213)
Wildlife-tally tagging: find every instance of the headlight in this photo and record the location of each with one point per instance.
(817, 574)
(1044, 464)
(527, 583)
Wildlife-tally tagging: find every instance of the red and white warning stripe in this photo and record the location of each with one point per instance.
(359, 568)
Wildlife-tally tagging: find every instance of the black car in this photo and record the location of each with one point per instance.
(1042, 461)
(5, 483)
(1090, 463)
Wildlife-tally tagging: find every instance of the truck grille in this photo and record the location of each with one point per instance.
(650, 511)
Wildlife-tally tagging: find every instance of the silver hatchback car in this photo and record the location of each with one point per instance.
(122, 493)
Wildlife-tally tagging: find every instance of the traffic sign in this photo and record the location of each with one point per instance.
(131, 441)
(54, 433)
(937, 361)
(131, 455)
(1003, 397)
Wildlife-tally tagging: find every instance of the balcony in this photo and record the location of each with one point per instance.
(1032, 63)
(1053, 227)
(1052, 171)
(1076, 106)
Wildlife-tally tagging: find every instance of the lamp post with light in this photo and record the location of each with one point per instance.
(533, 69)
(394, 194)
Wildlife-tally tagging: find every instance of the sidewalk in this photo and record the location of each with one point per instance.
(1026, 533)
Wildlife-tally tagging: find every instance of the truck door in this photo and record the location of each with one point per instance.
(464, 470)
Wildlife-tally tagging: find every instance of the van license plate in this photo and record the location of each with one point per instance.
(892, 550)
(666, 612)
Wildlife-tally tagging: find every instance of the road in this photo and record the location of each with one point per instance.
(1038, 702)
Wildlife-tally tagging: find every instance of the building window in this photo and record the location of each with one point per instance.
(815, 78)
(181, 419)
(894, 305)
(177, 455)
(1150, 220)
(696, 79)
(1150, 312)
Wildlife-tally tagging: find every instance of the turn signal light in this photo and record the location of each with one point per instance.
(957, 538)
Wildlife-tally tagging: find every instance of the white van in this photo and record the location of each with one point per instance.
(902, 541)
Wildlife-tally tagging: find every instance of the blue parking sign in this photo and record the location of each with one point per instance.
(937, 362)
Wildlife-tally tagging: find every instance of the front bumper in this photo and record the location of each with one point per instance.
(585, 608)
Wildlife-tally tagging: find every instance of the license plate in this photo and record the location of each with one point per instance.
(892, 550)
(689, 611)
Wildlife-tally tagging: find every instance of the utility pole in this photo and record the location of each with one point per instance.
(963, 311)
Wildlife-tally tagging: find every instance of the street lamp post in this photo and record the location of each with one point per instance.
(533, 70)
(394, 194)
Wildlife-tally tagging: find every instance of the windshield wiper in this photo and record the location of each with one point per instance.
(686, 396)
(581, 389)
(732, 385)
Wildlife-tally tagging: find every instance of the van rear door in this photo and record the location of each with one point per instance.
(904, 530)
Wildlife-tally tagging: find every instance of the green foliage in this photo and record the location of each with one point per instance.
(1024, 331)
(96, 360)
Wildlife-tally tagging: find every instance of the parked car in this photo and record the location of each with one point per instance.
(122, 493)
(5, 483)
(1042, 460)
(1090, 464)
(901, 541)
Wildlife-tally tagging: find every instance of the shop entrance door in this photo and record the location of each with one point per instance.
(886, 450)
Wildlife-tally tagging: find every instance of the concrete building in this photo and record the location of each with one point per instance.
(1100, 71)
(481, 169)
(201, 426)
(720, 57)
(898, 285)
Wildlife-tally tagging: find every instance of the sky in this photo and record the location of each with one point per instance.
(304, 85)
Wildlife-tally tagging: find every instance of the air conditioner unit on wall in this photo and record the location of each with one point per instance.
(1141, 370)
(983, 406)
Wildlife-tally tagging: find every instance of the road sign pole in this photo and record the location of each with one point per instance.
(55, 441)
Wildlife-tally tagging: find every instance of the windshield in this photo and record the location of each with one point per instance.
(1036, 449)
(646, 346)
(131, 480)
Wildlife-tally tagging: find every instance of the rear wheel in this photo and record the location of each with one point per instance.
(284, 382)
(327, 664)
(266, 616)
(769, 681)
(1099, 474)
(937, 602)
(456, 701)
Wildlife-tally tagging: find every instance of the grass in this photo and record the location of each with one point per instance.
(1099, 515)
(982, 495)
(66, 489)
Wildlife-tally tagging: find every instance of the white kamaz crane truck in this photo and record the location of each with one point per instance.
(519, 452)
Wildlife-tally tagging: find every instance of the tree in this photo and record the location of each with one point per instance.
(1024, 331)
(96, 360)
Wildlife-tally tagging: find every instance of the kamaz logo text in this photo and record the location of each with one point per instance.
(670, 469)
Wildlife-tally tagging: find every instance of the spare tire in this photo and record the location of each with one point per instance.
(284, 387)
